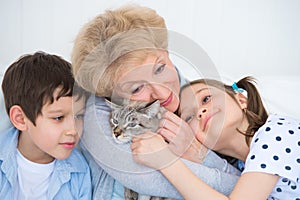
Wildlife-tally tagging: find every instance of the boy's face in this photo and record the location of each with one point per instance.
(57, 130)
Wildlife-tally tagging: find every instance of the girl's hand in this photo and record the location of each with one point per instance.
(181, 138)
(150, 149)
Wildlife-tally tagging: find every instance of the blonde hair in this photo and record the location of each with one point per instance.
(113, 40)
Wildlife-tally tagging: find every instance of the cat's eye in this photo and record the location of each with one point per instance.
(159, 69)
(131, 125)
(115, 121)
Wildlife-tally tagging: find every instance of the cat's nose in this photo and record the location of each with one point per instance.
(117, 132)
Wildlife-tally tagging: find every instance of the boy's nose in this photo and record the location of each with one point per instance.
(71, 127)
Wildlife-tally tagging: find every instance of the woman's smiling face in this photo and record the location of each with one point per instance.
(155, 79)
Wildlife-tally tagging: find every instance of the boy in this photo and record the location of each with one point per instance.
(38, 156)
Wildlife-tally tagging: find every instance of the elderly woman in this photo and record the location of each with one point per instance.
(123, 53)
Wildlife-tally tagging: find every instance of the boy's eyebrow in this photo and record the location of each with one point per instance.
(55, 111)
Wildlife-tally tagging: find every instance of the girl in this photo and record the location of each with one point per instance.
(232, 120)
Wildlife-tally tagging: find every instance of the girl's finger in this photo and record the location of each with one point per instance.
(172, 117)
(167, 134)
(170, 125)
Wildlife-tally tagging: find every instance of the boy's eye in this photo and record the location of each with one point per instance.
(59, 118)
(206, 99)
(160, 69)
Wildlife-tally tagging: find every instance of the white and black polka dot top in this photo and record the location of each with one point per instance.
(275, 149)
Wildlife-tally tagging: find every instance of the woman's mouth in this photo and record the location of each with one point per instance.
(168, 101)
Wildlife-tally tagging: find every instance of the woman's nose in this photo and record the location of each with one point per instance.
(158, 91)
(201, 112)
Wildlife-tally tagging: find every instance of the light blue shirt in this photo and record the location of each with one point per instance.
(71, 177)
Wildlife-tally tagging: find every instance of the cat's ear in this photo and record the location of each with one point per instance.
(152, 109)
(112, 105)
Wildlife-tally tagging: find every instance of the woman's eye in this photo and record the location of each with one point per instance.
(131, 125)
(138, 89)
(59, 118)
(206, 99)
(160, 69)
(79, 116)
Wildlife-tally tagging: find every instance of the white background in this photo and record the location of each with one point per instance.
(242, 37)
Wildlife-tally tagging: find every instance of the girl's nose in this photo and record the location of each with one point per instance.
(201, 112)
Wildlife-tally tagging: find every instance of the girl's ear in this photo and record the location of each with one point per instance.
(242, 100)
(17, 117)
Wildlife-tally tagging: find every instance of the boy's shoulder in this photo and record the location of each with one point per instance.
(8, 137)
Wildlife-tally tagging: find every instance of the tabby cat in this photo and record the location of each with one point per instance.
(131, 118)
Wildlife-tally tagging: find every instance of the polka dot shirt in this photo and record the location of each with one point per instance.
(275, 149)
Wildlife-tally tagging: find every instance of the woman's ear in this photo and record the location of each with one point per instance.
(242, 100)
(17, 117)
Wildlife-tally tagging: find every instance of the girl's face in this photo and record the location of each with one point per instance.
(155, 79)
(213, 115)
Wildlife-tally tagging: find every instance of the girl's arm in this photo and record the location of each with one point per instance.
(116, 159)
(251, 185)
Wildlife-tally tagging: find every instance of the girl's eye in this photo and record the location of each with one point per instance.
(206, 99)
(131, 125)
(188, 119)
(138, 89)
(160, 69)
(59, 118)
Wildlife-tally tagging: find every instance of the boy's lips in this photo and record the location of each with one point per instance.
(168, 101)
(68, 145)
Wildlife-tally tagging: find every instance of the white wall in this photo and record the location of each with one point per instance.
(242, 37)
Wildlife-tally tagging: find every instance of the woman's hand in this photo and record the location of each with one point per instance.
(150, 149)
(181, 138)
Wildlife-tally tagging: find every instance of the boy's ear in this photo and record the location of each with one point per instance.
(17, 117)
(242, 100)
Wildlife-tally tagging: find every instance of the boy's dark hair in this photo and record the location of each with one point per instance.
(255, 113)
(30, 82)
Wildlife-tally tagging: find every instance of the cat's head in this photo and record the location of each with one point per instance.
(133, 118)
